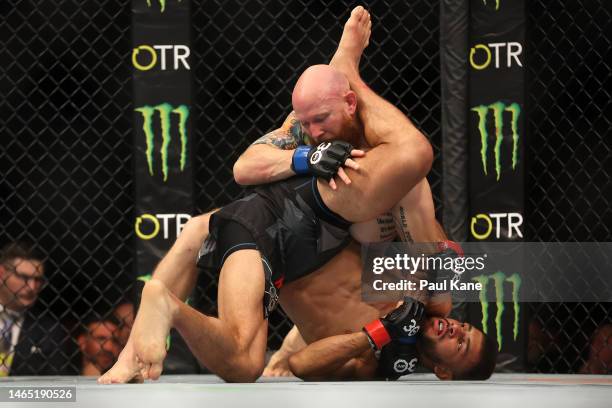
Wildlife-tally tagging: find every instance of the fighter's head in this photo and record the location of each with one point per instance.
(456, 351)
(325, 105)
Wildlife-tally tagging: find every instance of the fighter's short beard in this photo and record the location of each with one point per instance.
(426, 347)
(351, 132)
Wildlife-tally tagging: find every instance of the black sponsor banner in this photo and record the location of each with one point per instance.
(161, 65)
(496, 123)
(163, 140)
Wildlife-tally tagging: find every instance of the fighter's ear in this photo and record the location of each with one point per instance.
(351, 100)
(443, 373)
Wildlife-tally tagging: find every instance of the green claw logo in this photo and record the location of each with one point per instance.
(498, 109)
(164, 110)
(496, 4)
(162, 4)
(498, 279)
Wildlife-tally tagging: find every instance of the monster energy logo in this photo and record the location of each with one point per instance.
(496, 4)
(162, 4)
(164, 110)
(498, 279)
(498, 109)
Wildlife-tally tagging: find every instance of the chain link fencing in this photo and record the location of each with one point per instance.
(66, 169)
(66, 173)
(568, 180)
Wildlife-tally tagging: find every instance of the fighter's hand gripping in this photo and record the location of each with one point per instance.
(401, 325)
(323, 161)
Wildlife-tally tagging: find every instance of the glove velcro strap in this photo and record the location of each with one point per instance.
(448, 249)
(299, 162)
(407, 340)
(377, 333)
(452, 245)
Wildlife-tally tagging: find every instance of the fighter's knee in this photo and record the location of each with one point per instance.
(420, 155)
(194, 231)
(243, 371)
(198, 223)
(255, 372)
(154, 288)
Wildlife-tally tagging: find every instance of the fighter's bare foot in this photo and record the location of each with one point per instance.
(151, 328)
(125, 370)
(355, 38)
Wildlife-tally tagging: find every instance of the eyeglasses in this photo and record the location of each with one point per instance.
(26, 278)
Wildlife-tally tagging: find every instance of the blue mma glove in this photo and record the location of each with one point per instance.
(322, 161)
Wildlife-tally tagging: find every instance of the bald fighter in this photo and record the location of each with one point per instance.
(275, 234)
(276, 156)
(238, 344)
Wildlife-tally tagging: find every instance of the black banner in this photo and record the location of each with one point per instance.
(496, 136)
(162, 126)
(162, 84)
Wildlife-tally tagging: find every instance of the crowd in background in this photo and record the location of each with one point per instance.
(33, 341)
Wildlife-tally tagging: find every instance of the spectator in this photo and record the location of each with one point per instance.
(31, 341)
(600, 352)
(100, 345)
(124, 313)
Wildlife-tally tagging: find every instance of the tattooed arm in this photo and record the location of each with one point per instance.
(268, 159)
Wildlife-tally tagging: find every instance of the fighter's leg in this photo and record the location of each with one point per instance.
(415, 216)
(382, 121)
(178, 272)
(415, 220)
(380, 229)
(412, 219)
(402, 155)
(355, 37)
(387, 173)
(151, 327)
(233, 345)
(400, 159)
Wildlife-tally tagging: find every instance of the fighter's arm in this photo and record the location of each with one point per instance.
(269, 158)
(338, 361)
(345, 356)
(413, 218)
(274, 157)
(351, 355)
(278, 366)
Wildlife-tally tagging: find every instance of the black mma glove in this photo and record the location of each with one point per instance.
(397, 359)
(322, 161)
(448, 249)
(401, 325)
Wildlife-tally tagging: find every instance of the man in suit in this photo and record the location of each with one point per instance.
(31, 341)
